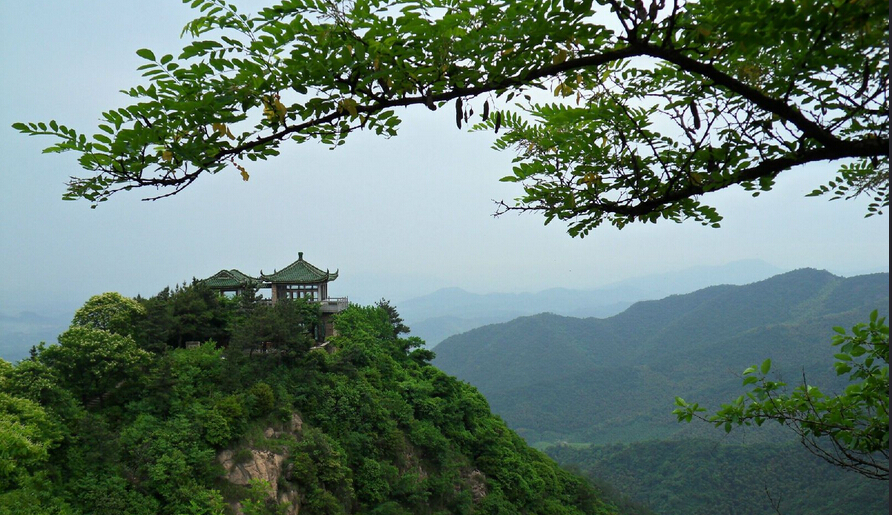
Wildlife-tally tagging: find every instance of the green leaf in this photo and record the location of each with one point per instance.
(766, 366)
(145, 53)
(842, 369)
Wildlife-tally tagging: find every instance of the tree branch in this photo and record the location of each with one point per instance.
(769, 168)
(772, 105)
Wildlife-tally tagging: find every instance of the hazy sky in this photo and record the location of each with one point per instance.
(399, 217)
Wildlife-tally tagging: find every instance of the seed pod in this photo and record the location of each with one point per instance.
(429, 100)
(498, 121)
(458, 112)
(865, 80)
(384, 87)
(696, 115)
(642, 12)
(485, 110)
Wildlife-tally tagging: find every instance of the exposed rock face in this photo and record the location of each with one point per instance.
(242, 467)
(292, 498)
(263, 465)
(478, 485)
(296, 424)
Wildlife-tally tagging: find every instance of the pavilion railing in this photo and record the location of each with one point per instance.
(334, 304)
(329, 305)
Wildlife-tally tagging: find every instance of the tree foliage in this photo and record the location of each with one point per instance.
(705, 477)
(849, 429)
(90, 362)
(111, 312)
(190, 312)
(378, 430)
(26, 434)
(395, 319)
(655, 103)
(287, 326)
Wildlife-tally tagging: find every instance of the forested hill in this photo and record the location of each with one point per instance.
(700, 477)
(120, 418)
(605, 380)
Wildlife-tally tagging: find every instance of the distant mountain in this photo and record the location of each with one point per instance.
(450, 311)
(696, 278)
(18, 333)
(556, 378)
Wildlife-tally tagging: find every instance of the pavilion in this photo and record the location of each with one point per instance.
(299, 280)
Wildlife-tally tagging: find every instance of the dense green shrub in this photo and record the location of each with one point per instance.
(260, 399)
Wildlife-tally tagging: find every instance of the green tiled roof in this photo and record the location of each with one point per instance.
(230, 279)
(299, 272)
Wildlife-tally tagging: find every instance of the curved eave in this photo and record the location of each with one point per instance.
(299, 272)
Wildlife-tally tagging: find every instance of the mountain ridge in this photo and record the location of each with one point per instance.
(544, 373)
(447, 311)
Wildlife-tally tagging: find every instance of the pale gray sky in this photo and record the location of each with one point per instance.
(399, 217)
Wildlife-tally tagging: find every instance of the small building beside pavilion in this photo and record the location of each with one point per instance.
(231, 281)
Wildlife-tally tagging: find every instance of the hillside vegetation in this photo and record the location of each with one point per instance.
(598, 394)
(555, 378)
(705, 477)
(120, 418)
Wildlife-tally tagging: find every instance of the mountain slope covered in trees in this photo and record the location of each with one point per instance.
(706, 477)
(556, 378)
(122, 417)
(608, 386)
